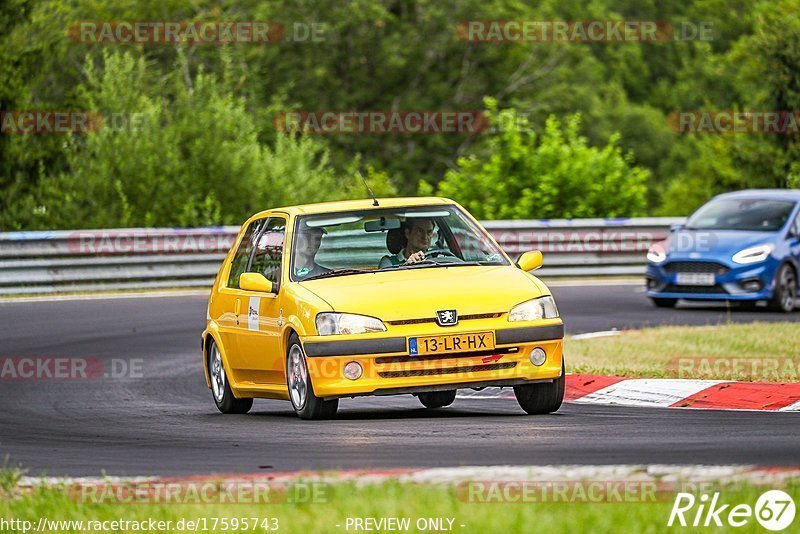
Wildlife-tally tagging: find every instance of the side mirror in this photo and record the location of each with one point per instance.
(676, 228)
(530, 260)
(255, 282)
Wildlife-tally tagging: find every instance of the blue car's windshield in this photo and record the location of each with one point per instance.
(747, 214)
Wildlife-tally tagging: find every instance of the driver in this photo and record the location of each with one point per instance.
(419, 233)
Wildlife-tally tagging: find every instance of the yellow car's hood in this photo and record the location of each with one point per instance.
(419, 293)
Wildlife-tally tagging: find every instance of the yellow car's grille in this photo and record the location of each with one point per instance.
(444, 356)
(447, 370)
(433, 319)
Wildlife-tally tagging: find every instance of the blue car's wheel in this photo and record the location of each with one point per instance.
(785, 293)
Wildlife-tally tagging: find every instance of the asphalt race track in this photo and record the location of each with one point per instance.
(165, 422)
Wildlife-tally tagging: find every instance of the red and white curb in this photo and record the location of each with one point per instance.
(671, 393)
(683, 393)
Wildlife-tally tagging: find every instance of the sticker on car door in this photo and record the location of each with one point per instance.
(253, 313)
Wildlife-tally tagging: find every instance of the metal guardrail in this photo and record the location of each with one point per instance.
(145, 258)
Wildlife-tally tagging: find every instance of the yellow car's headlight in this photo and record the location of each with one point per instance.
(329, 324)
(532, 310)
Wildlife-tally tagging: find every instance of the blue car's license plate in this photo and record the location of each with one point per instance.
(695, 279)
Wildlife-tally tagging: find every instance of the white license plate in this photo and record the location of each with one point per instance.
(695, 279)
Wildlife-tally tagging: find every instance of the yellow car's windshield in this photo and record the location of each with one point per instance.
(352, 242)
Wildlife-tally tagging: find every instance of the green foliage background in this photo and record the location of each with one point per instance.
(595, 139)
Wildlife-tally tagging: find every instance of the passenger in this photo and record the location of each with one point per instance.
(418, 234)
(305, 261)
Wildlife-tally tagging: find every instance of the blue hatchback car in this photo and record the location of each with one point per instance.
(742, 246)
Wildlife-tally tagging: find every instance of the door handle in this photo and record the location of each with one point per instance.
(236, 308)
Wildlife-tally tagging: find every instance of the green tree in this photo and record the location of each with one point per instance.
(192, 160)
(517, 174)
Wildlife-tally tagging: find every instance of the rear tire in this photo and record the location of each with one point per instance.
(785, 290)
(542, 398)
(437, 399)
(220, 387)
(301, 392)
(664, 303)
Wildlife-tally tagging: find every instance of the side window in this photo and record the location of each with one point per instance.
(242, 256)
(269, 250)
(797, 225)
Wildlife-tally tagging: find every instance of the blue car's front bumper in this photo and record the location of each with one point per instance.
(732, 281)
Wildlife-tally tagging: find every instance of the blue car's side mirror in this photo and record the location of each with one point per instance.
(676, 227)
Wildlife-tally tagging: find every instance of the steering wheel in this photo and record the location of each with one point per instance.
(441, 253)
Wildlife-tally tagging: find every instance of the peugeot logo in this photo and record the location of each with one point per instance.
(447, 317)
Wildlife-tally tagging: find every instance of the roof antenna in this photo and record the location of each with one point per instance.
(374, 200)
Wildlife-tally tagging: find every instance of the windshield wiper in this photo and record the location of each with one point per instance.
(336, 272)
(429, 263)
(477, 262)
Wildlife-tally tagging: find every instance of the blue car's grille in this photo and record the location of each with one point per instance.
(695, 267)
(670, 288)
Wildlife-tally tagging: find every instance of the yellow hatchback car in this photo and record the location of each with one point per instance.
(378, 297)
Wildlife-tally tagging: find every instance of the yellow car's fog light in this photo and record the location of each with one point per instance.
(353, 370)
(538, 356)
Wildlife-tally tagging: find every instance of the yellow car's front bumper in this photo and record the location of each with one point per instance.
(389, 369)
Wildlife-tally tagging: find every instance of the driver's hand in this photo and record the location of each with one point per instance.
(414, 258)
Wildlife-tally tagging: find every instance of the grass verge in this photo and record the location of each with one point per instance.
(749, 352)
(331, 509)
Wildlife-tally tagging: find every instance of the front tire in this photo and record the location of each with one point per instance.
(220, 387)
(543, 398)
(306, 405)
(785, 290)
(664, 303)
(437, 399)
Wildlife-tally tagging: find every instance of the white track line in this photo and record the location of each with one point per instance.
(791, 408)
(593, 283)
(602, 333)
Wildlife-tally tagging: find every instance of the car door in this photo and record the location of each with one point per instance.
(260, 315)
(229, 300)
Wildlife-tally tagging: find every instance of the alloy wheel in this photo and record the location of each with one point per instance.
(217, 375)
(297, 377)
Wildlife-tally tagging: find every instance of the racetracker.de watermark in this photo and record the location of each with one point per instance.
(582, 31)
(574, 491)
(221, 491)
(382, 122)
(46, 122)
(773, 368)
(575, 241)
(143, 241)
(45, 368)
(735, 122)
(159, 32)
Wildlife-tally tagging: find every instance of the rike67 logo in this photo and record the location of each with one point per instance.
(774, 510)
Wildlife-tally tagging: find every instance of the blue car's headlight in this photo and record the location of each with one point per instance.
(657, 253)
(753, 254)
